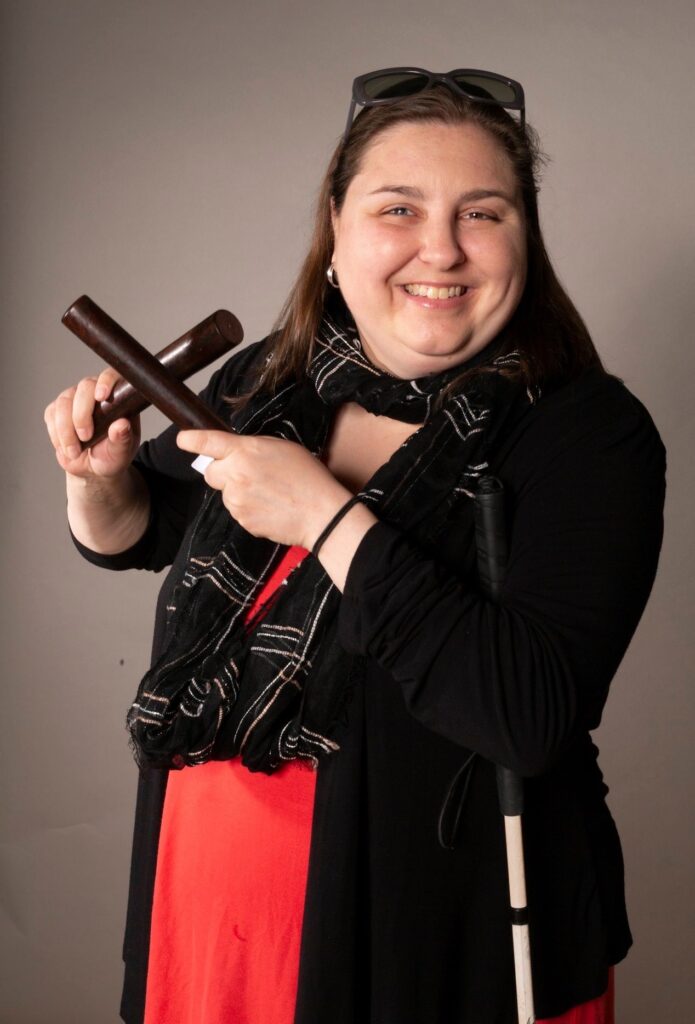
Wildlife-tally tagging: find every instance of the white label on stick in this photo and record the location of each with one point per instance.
(202, 462)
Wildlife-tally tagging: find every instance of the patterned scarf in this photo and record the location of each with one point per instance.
(273, 689)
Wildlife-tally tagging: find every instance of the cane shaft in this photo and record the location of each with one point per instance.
(515, 855)
(491, 544)
(522, 973)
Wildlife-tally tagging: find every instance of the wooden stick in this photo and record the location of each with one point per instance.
(147, 379)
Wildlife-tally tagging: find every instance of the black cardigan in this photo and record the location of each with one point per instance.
(398, 929)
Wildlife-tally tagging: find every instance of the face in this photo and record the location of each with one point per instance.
(417, 221)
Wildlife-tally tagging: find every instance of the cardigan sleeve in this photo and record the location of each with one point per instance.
(516, 681)
(175, 488)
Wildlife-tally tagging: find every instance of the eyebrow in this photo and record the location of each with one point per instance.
(466, 197)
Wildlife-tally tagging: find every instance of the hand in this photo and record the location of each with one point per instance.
(274, 488)
(69, 420)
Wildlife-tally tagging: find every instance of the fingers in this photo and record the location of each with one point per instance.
(49, 420)
(69, 418)
(91, 390)
(218, 445)
(105, 383)
(66, 436)
(83, 408)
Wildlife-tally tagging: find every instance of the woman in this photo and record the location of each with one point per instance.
(426, 342)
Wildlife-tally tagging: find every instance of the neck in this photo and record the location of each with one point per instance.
(416, 366)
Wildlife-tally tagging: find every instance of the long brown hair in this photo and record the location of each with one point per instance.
(546, 328)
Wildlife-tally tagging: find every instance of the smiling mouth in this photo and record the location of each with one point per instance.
(432, 292)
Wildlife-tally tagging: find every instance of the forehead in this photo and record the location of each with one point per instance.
(438, 155)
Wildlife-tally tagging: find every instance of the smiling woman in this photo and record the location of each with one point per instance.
(326, 661)
(429, 283)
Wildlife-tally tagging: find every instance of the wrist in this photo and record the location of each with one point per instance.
(326, 509)
(334, 522)
(92, 484)
(343, 539)
(105, 490)
(108, 515)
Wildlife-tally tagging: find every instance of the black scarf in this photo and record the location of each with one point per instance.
(273, 689)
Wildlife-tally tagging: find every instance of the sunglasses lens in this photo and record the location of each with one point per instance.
(486, 88)
(389, 86)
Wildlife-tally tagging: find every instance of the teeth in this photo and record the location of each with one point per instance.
(434, 293)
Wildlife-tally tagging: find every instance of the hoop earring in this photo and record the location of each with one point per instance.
(332, 279)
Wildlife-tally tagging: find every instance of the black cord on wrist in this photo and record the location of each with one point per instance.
(333, 523)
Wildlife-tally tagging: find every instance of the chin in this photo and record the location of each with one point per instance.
(452, 349)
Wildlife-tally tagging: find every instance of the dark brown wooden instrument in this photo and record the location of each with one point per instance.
(153, 380)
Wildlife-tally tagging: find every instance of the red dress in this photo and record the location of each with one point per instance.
(229, 891)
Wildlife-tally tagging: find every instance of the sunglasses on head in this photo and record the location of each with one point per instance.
(391, 84)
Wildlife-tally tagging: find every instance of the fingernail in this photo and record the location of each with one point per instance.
(73, 451)
(83, 433)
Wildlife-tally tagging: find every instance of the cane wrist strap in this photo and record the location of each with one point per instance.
(333, 523)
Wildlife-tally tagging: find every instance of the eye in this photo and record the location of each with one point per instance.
(478, 215)
(398, 210)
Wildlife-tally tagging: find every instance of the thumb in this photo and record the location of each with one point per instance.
(215, 443)
(120, 433)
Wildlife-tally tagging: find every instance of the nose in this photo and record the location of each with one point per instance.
(440, 244)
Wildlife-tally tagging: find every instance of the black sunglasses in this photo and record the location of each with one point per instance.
(393, 84)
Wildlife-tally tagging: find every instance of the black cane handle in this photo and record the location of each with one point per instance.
(492, 555)
(490, 535)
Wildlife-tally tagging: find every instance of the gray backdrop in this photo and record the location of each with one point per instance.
(163, 157)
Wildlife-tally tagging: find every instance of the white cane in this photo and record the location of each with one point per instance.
(491, 543)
